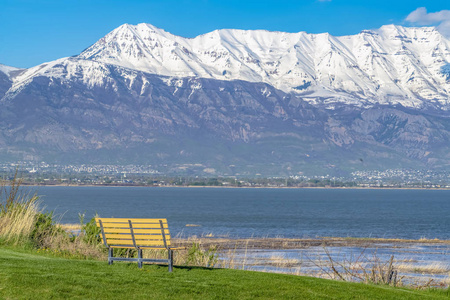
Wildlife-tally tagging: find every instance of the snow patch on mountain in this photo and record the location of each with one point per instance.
(391, 65)
(90, 73)
(8, 70)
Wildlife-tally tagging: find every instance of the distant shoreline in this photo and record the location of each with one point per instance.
(237, 187)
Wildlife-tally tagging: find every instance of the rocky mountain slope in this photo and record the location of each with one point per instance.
(236, 102)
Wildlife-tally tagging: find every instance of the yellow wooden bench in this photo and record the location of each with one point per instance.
(136, 234)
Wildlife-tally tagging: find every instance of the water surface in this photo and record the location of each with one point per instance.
(261, 212)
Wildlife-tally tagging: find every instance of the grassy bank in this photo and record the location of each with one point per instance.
(42, 259)
(25, 274)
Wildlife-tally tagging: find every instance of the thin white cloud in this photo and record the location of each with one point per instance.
(440, 19)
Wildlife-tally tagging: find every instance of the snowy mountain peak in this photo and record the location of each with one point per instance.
(9, 71)
(390, 65)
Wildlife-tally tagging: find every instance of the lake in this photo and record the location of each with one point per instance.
(263, 212)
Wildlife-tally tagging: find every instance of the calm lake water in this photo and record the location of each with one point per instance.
(238, 212)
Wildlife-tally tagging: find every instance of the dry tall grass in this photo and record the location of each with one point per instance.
(359, 268)
(64, 245)
(18, 212)
(23, 223)
(432, 268)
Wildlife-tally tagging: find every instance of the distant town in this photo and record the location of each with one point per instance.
(43, 173)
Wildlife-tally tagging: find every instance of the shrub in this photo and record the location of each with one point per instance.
(44, 228)
(90, 232)
(200, 257)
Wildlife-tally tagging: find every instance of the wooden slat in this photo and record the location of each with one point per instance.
(136, 231)
(117, 236)
(149, 226)
(136, 236)
(106, 220)
(116, 224)
(138, 243)
(130, 243)
(137, 226)
(125, 247)
(141, 236)
(149, 247)
(108, 227)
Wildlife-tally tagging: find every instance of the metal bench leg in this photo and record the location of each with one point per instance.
(140, 258)
(170, 260)
(110, 256)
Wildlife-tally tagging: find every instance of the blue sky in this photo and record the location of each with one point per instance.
(35, 31)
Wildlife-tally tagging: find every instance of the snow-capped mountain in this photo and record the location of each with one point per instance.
(240, 101)
(76, 110)
(6, 74)
(7, 70)
(391, 65)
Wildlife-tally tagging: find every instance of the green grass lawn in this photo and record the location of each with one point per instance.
(28, 275)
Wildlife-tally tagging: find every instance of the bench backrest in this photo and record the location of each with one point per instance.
(132, 233)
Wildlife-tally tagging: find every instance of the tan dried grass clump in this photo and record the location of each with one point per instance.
(18, 211)
(280, 261)
(433, 268)
(70, 227)
(361, 268)
(18, 221)
(62, 244)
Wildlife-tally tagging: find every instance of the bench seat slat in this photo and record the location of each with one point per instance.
(130, 242)
(150, 236)
(137, 226)
(134, 220)
(137, 223)
(112, 240)
(136, 231)
(136, 236)
(155, 220)
(146, 247)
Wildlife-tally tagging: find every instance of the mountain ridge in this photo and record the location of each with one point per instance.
(386, 68)
(379, 66)
(96, 107)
